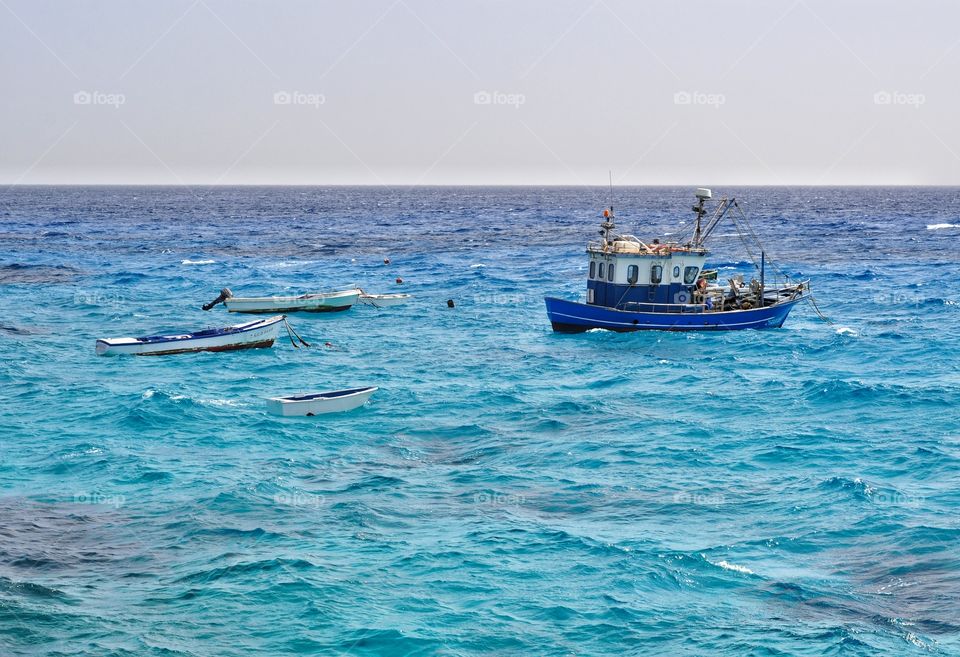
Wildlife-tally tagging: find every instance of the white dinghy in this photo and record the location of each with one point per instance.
(251, 335)
(311, 303)
(319, 403)
(383, 300)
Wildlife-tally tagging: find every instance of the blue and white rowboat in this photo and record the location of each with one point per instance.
(251, 335)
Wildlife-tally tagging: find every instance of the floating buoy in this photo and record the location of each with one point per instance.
(606, 214)
(399, 280)
(450, 303)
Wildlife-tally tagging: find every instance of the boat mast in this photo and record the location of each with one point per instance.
(607, 225)
(608, 218)
(703, 195)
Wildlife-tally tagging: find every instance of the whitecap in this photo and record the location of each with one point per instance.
(846, 330)
(287, 264)
(939, 226)
(220, 402)
(197, 262)
(726, 565)
(476, 265)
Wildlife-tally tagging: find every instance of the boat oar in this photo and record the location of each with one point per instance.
(290, 330)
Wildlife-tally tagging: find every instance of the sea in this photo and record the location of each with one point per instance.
(508, 490)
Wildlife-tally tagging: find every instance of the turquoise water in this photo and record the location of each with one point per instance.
(508, 490)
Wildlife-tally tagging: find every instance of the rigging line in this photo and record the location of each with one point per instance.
(756, 239)
(759, 244)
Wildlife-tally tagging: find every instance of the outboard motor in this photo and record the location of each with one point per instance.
(225, 294)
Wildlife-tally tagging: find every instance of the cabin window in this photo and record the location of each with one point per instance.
(601, 277)
(656, 274)
(676, 271)
(690, 275)
(610, 272)
(633, 273)
(593, 269)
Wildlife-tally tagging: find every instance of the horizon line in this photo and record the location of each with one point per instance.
(10, 186)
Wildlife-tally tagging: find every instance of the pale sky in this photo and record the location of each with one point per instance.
(544, 92)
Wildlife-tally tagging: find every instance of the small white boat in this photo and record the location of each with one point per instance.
(251, 335)
(311, 303)
(383, 300)
(319, 403)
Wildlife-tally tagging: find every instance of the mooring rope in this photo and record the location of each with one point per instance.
(291, 331)
(816, 308)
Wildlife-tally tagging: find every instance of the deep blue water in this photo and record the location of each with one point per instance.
(508, 490)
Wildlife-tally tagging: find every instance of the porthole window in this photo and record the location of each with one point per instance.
(676, 271)
(633, 273)
(610, 272)
(690, 275)
(601, 277)
(593, 269)
(656, 274)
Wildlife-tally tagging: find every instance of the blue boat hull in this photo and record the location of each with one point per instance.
(573, 317)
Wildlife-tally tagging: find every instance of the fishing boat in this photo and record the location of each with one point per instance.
(251, 335)
(310, 303)
(319, 403)
(383, 300)
(634, 285)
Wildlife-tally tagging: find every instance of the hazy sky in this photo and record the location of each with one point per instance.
(482, 92)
